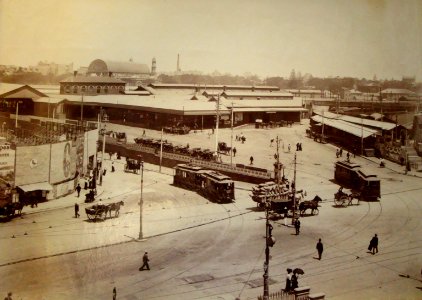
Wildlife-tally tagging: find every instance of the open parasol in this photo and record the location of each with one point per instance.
(298, 271)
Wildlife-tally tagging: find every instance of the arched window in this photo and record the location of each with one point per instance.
(91, 88)
(67, 89)
(83, 89)
(75, 89)
(106, 89)
(98, 89)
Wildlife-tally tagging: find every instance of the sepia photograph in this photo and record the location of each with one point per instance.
(211, 149)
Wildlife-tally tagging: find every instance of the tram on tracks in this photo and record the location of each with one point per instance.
(351, 175)
(212, 185)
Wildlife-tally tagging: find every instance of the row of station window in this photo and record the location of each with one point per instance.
(84, 88)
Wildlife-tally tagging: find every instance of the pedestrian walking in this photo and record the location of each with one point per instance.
(285, 216)
(341, 152)
(320, 248)
(145, 260)
(297, 146)
(288, 287)
(112, 167)
(234, 151)
(76, 210)
(297, 226)
(348, 156)
(78, 189)
(114, 293)
(373, 244)
(143, 133)
(243, 139)
(271, 142)
(9, 296)
(288, 148)
(300, 146)
(251, 160)
(337, 153)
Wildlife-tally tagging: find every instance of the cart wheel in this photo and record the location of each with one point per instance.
(344, 200)
(338, 201)
(91, 217)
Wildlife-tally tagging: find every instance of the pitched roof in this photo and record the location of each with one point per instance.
(358, 121)
(397, 91)
(354, 129)
(258, 94)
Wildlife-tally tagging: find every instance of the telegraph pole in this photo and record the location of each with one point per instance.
(231, 137)
(269, 242)
(294, 192)
(216, 124)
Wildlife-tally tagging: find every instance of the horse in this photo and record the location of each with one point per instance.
(312, 204)
(114, 207)
(17, 206)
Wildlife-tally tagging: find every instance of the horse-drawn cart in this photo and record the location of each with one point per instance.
(100, 211)
(132, 165)
(345, 199)
(96, 212)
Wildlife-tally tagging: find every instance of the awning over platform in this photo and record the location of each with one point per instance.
(42, 186)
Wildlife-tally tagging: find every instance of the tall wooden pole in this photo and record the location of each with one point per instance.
(294, 191)
(141, 201)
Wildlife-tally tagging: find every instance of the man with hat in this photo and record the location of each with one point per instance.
(145, 260)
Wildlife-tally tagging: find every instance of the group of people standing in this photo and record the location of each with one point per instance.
(291, 281)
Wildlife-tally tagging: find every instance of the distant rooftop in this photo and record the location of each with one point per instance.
(92, 79)
(211, 86)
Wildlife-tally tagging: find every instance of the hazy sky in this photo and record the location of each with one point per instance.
(322, 37)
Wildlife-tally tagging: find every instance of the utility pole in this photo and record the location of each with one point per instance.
(269, 242)
(141, 201)
(161, 149)
(277, 164)
(361, 135)
(231, 136)
(216, 124)
(294, 191)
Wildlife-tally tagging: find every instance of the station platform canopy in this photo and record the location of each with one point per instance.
(354, 129)
(360, 121)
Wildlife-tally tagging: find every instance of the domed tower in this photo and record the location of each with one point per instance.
(154, 67)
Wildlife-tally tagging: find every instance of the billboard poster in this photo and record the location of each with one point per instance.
(79, 153)
(7, 162)
(63, 161)
(32, 164)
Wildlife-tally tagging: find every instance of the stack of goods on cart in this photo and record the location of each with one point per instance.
(269, 191)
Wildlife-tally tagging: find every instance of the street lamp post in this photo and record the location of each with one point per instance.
(141, 201)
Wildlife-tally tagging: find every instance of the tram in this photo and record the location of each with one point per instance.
(351, 175)
(208, 183)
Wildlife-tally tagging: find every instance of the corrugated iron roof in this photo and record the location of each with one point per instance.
(355, 120)
(397, 91)
(257, 94)
(354, 129)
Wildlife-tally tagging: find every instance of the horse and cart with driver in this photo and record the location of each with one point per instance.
(281, 199)
(100, 211)
(342, 198)
(132, 165)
